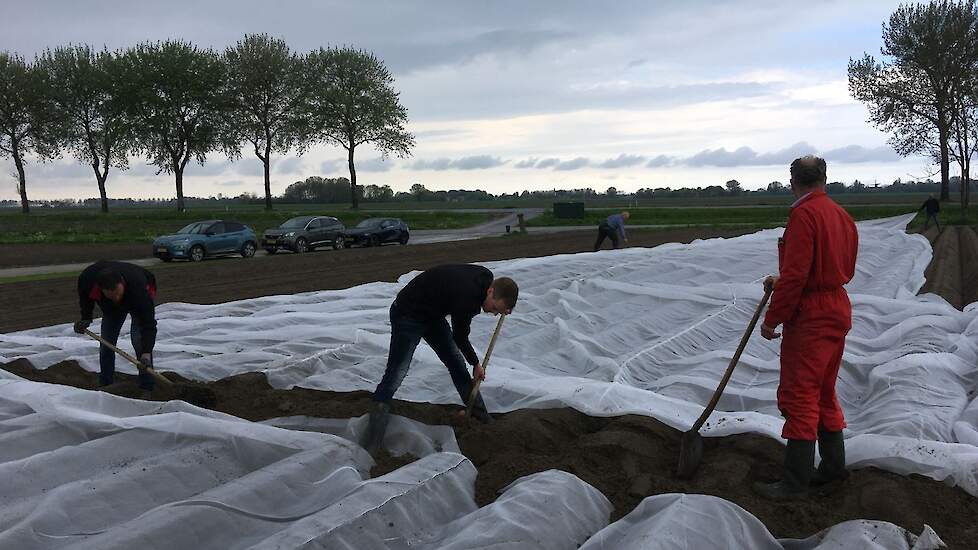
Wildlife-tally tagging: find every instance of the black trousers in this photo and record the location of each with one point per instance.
(604, 230)
(111, 327)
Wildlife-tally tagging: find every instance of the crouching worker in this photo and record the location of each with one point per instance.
(816, 257)
(120, 289)
(418, 312)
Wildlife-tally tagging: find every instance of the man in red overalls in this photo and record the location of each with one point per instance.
(816, 256)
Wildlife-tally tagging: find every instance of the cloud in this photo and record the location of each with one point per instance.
(858, 153)
(288, 165)
(377, 164)
(332, 166)
(476, 162)
(231, 183)
(659, 161)
(249, 166)
(528, 163)
(573, 164)
(436, 164)
(547, 163)
(745, 156)
(62, 169)
(623, 161)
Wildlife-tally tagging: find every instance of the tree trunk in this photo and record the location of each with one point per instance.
(101, 190)
(178, 172)
(943, 136)
(353, 179)
(25, 206)
(100, 178)
(268, 180)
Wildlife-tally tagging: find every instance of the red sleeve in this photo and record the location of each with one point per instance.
(799, 252)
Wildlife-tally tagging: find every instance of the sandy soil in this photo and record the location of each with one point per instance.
(627, 458)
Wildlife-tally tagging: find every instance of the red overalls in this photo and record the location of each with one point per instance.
(816, 256)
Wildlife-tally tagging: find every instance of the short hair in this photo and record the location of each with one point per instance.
(108, 278)
(504, 288)
(808, 171)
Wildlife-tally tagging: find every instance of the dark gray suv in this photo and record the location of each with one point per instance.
(302, 234)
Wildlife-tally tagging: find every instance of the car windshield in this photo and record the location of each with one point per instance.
(296, 223)
(195, 228)
(370, 222)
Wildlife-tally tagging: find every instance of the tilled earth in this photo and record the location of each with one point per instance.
(33, 304)
(627, 458)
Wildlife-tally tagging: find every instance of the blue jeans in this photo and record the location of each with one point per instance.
(111, 326)
(406, 333)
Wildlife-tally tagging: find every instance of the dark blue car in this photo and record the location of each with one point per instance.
(204, 239)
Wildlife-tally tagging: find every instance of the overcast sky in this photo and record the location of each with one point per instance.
(513, 95)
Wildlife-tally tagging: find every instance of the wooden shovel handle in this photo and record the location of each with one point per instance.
(130, 358)
(733, 362)
(485, 363)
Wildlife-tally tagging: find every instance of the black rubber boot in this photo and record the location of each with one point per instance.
(373, 438)
(832, 447)
(479, 411)
(799, 459)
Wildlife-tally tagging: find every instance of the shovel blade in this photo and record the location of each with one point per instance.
(690, 454)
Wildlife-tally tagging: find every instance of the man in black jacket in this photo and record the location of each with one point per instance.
(120, 289)
(933, 207)
(418, 312)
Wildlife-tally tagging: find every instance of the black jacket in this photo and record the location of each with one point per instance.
(455, 290)
(932, 206)
(137, 300)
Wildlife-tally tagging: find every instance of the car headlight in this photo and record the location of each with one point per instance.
(289, 234)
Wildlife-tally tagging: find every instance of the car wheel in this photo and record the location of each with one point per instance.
(347, 244)
(403, 239)
(197, 253)
(338, 242)
(271, 250)
(300, 246)
(374, 240)
(248, 250)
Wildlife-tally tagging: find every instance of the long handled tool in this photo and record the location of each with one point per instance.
(485, 363)
(130, 358)
(691, 444)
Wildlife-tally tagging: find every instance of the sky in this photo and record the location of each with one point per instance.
(513, 95)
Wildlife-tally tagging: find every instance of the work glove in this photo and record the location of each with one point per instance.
(147, 360)
(81, 325)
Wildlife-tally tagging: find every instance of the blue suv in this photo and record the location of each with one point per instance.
(207, 238)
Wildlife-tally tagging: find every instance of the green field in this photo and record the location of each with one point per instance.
(140, 225)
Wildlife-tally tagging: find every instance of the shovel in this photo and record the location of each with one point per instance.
(485, 363)
(691, 444)
(141, 367)
(203, 397)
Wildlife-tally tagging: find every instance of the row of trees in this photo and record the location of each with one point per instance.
(172, 103)
(316, 189)
(924, 91)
